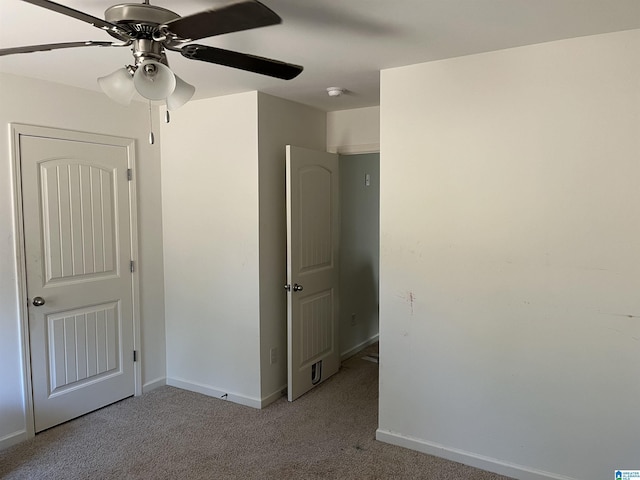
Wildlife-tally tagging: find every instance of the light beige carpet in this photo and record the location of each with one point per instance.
(170, 433)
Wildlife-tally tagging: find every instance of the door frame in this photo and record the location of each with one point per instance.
(18, 129)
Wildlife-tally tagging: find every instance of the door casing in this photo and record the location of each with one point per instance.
(18, 129)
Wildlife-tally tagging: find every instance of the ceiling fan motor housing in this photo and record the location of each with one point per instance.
(132, 13)
(142, 22)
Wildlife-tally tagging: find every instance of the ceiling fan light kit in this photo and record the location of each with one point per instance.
(181, 95)
(154, 81)
(118, 86)
(152, 30)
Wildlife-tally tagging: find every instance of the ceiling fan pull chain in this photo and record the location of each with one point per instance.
(151, 137)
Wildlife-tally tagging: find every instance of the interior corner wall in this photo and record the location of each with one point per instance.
(510, 219)
(36, 102)
(210, 222)
(280, 122)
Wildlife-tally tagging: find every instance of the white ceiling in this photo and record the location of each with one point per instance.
(342, 43)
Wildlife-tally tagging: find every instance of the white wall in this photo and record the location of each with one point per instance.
(354, 131)
(225, 235)
(510, 218)
(36, 102)
(210, 220)
(280, 122)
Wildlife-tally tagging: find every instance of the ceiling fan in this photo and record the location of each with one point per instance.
(151, 31)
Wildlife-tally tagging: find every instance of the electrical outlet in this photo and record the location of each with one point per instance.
(353, 319)
(274, 355)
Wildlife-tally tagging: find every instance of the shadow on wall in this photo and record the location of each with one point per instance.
(359, 306)
(365, 288)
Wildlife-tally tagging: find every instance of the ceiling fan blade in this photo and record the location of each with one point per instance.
(56, 46)
(243, 61)
(83, 17)
(237, 16)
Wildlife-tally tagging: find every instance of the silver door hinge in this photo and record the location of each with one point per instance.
(135, 355)
(129, 174)
(132, 266)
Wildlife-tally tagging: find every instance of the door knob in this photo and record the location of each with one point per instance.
(38, 301)
(297, 288)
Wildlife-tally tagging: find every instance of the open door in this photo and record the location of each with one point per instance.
(312, 268)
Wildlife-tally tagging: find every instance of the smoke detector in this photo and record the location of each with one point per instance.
(335, 91)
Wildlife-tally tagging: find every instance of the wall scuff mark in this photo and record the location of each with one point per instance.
(411, 297)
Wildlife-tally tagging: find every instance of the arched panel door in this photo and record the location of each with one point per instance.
(312, 268)
(78, 244)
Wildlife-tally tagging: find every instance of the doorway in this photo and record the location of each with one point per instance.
(355, 318)
(360, 251)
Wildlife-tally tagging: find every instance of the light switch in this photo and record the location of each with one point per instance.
(367, 180)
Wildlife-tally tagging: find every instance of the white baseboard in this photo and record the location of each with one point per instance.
(214, 392)
(269, 399)
(361, 346)
(13, 439)
(153, 384)
(467, 458)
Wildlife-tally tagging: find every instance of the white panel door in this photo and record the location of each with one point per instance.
(312, 268)
(79, 285)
